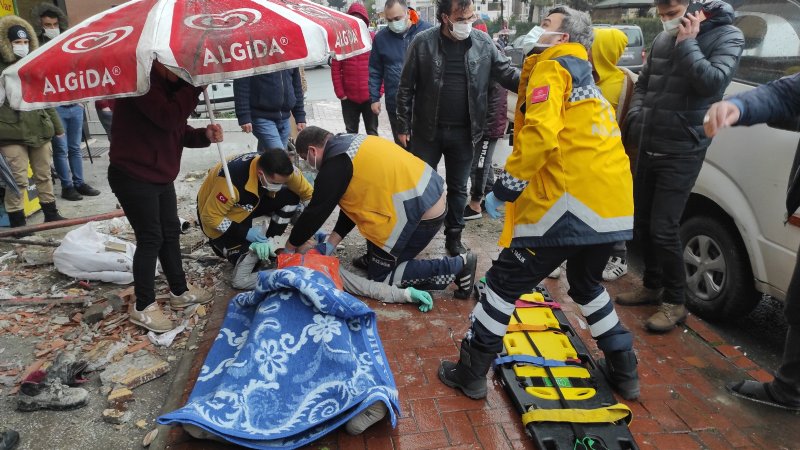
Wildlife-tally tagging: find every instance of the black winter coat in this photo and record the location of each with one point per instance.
(680, 82)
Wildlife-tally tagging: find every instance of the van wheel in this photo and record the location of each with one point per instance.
(719, 281)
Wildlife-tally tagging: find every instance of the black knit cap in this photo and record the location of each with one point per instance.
(18, 32)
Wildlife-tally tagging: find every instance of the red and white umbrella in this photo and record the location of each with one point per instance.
(203, 41)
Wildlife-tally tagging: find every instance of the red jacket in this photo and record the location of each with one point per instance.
(351, 76)
(149, 132)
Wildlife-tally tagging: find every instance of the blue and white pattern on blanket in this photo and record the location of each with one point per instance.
(294, 360)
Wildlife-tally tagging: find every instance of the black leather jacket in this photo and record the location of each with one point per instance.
(680, 82)
(422, 78)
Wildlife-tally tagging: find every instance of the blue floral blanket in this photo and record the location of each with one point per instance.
(294, 360)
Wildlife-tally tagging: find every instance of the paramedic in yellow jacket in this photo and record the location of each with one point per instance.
(394, 198)
(568, 193)
(264, 185)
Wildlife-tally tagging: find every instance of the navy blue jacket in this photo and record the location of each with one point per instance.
(269, 96)
(386, 62)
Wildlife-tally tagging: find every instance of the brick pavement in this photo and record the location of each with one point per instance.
(683, 404)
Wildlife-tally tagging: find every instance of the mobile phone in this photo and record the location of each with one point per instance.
(693, 8)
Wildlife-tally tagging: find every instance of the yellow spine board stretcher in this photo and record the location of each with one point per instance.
(564, 400)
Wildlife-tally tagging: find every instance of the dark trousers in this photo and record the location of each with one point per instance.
(481, 176)
(786, 386)
(518, 271)
(393, 123)
(280, 209)
(152, 210)
(661, 189)
(455, 144)
(404, 271)
(351, 111)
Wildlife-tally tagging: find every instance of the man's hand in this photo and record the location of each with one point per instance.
(376, 108)
(254, 235)
(264, 250)
(247, 128)
(214, 133)
(688, 28)
(721, 115)
(60, 135)
(343, 98)
(423, 298)
(492, 206)
(403, 138)
(300, 126)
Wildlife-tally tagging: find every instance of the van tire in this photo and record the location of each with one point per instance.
(713, 248)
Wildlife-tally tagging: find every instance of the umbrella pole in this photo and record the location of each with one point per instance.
(222, 158)
(85, 132)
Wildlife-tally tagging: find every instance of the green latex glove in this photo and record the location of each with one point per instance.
(264, 250)
(423, 298)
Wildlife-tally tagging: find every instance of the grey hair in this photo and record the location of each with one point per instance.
(577, 24)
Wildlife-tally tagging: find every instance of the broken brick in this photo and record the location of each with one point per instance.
(115, 416)
(119, 397)
(135, 348)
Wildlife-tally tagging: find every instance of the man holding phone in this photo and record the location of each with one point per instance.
(688, 68)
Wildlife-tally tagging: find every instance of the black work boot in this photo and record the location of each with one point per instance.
(452, 242)
(16, 219)
(469, 373)
(51, 213)
(620, 370)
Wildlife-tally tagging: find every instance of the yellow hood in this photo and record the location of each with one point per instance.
(608, 46)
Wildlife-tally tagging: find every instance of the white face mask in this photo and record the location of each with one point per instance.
(531, 39)
(20, 50)
(51, 33)
(272, 187)
(671, 26)
(399, 26)
(461, 31)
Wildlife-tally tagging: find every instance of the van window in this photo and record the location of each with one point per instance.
(634, 37)
(771, 31)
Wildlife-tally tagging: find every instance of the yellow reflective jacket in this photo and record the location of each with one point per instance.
(567, 179)
(219, 213)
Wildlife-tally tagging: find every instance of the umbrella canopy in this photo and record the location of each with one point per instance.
(111, 53)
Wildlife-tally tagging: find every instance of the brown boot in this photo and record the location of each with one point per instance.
(639, 296)
(667, 317)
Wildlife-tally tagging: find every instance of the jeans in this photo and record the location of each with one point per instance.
(481, 176)
(351, 112)
(661, 189)
(18, 157)
(455, 144)
(67, 157)
(405, 271)
(518, 271)
(393, 123)
(152, 210)
(271, 133)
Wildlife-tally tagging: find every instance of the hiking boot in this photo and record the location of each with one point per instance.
(8, 439)
(668, 316)
(365, 419)
(151, 318)
(361, 262)
(469, 373)
(639, 296)
(51, 213)
(192, 296)
(16, 219)
(87, 190)
(555, 274)
(465, 278)
(619, 369)
(50, 395)
(71, 194)
(67, 369)
(471, 214)
(452, 242)
(615, 268)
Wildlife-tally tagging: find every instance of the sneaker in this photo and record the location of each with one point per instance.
(71, 194)
(640, 296)
(555, 274)
(50, 395)
(193, 296)
(615, 268)
(151, 318)
(465, 279)
(471, 214)
(366, 418)
(668, 316)
(87, 190)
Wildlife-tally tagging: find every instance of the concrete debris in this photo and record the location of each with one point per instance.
(141, 424)
(116, 417)
(104, 354)
(119, 397)
(96, 313)
(133, 371)
(60, 320)
(116, 302)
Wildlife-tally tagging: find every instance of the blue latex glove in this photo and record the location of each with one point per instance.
(423, 298)
(492, 204)
(264, 250)
(326, 248)
(320, 236)
(254, 235)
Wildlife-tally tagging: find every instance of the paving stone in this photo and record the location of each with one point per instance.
(133, 371)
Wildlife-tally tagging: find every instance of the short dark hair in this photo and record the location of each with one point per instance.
(50, 13)
(669, 2)
(446, 7)
(390, 3)
(275, 161)
(310, 135)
